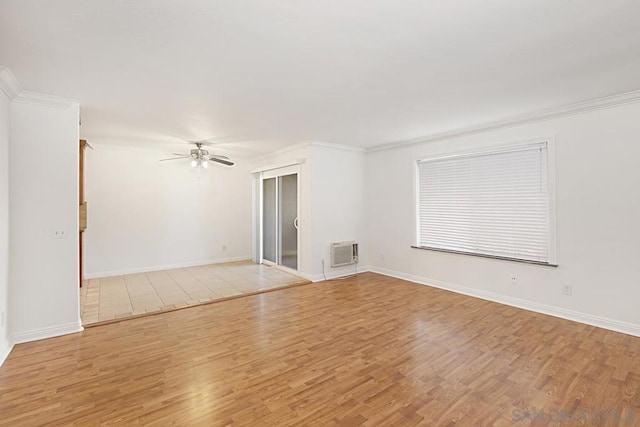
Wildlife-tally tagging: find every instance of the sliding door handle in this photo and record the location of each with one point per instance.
(295, 223)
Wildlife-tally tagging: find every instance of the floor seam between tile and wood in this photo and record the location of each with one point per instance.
(116, 298)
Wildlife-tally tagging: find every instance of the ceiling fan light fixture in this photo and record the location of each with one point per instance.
(200, 158)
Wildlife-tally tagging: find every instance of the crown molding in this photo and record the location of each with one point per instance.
(306, 144)
(12, 88)
(538, 116)
(288, 148)
(45, 100)
(283, 150)
(337, 146)
(128, 148)
(9, 84)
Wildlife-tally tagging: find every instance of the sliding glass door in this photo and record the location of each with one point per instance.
(288, 209)
(269, 220)
(280, 219)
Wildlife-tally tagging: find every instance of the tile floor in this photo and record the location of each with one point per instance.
(117, 297)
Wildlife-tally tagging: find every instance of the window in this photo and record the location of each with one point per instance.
(493, 203)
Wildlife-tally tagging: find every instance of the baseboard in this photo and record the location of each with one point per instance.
(48, 332)
(4, 353)
(336, 273)
(576, 316)
(309, 277)
(124, 271)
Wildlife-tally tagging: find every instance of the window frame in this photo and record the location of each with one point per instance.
(488, 148)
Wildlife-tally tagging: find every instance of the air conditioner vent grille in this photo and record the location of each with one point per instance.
(344, 253)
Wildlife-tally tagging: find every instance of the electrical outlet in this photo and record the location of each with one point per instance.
(59, 234)
(567, 290)
(224, 248)
(514, 279)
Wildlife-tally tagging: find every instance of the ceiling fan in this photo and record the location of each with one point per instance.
(201, 157)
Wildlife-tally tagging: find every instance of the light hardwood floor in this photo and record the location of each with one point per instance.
(371, 350)
(132, 295)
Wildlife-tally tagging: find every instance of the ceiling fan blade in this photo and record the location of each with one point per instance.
(219, 156)
(180, 154)
(174, 158)
(224, 162)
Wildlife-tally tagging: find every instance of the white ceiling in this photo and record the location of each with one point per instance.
(257, 75)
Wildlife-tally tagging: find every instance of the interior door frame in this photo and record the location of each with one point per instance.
(81, 205)
(276, 173)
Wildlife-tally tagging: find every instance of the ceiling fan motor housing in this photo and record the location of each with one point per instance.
(199, 153)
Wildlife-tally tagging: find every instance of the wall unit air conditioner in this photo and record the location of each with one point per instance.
(344, 253)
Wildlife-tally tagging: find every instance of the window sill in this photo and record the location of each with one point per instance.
(524, 261)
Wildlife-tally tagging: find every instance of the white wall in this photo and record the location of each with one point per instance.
(598, 221)
(5, 104)
(338, 205)
(43, 290)
(144, 214)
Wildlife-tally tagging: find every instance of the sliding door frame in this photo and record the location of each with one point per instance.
(277, 173)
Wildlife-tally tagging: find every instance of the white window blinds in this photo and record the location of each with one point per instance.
(492, 203)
